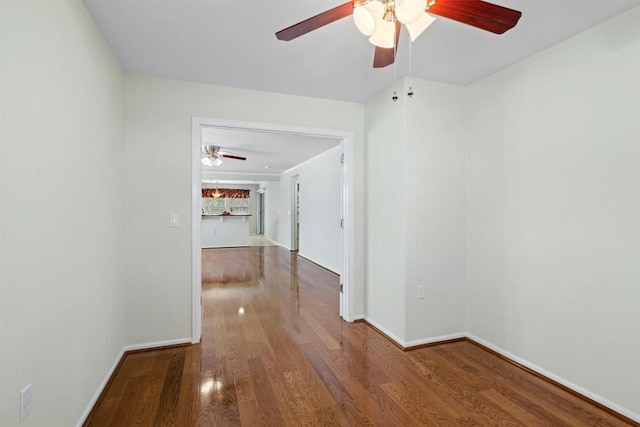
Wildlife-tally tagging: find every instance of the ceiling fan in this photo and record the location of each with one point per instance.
(212, 155)
(382, 20)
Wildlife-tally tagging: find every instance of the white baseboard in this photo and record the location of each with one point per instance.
(111, 371)
(601, 400)
(415, 343)
(149, 345)
(271, 241)
(578, 389)
(283, 246)
(623, 411)
(384, 331)
(431, 340)
(101, 387)
(318, 263)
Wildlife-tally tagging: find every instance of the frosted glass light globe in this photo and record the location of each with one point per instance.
(409, 11)
(367, 15)
(420, 25)
(385, 34)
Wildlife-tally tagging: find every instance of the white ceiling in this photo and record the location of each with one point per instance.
(267, 153)
(233, 43)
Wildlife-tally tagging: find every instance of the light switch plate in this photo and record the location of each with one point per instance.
(174, 220)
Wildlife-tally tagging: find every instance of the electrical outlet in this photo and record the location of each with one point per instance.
(25, 402)
(421, 292)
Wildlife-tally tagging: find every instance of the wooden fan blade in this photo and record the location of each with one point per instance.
(387, 56)
(315, 22)
(477, 13)
(229, 156)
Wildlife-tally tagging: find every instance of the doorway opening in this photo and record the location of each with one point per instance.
(347, 270)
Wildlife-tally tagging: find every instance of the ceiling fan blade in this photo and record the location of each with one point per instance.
(477, 13)
(387, 56)
(229, 156)
(315, 22)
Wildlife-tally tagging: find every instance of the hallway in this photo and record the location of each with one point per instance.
(274, 352)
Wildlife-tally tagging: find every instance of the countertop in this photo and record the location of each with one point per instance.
(226, 215)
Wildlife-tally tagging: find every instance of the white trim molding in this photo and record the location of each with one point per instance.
(408, 345)
(157, 344)
(101, 388)
(114, 366)
(385, 331)
(433, 340)
(196, 234)
(581, 390)
(348, 268)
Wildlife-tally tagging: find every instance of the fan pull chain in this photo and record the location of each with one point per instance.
(395, 93)
(410, 93)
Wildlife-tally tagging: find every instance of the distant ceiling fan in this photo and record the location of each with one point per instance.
(212, 155)
(382, 19)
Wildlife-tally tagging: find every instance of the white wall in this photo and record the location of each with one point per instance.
(552, 207)
(271, 210)
(434, 191)
(553, 180)
(62, 286)
(320, 209)
(158, 114)
(386, 214)
(284, 238)
(415, 211)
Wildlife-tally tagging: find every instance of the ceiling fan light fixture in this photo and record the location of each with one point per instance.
(211, 161)
(207, 161)
(409, 11)
(366, 15)
(420, 25)
(384, 35)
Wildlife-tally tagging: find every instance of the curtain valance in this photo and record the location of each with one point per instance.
(225, 193)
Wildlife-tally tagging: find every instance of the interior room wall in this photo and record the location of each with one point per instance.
(320, 208)
(434, 204)
(284, 212)
(386, 241)
(552, 211)
(158, 115)
(272, 210)
(415, 211)
(61, 178)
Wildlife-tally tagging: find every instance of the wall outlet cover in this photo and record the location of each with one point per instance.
(25, 402)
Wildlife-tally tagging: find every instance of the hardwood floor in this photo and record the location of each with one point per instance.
(275, 353)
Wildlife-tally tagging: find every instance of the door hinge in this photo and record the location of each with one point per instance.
(342, 223)
(342, 158)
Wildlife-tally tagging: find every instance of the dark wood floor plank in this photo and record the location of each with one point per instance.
(509, 396)
(558, 403)
(189, 388)
(170, 394)
(265, 397)
(274, 352)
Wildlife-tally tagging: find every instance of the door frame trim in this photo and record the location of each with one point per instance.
(348, 207)
(294, 244)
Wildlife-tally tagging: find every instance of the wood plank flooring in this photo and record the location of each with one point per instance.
(275, 353)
